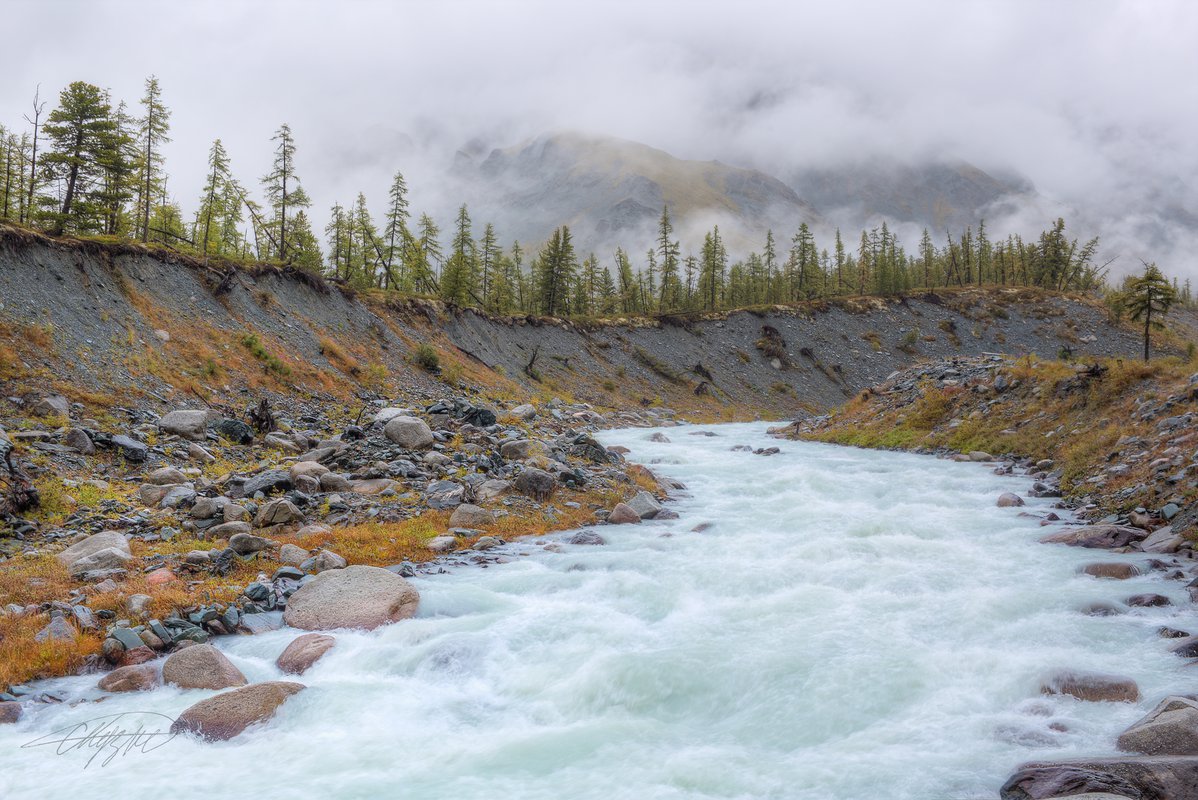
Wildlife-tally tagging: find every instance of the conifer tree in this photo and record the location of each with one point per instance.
(153, 130)
(396, 234)
(283, 191)
(1147, 295)
(83, 135)
(668, 249)
(556, 268)
(628, 286)
(458, 278)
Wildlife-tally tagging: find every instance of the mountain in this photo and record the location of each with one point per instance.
(938, 195)
(611, 191)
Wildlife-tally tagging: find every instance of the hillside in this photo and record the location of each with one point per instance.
(103, 322)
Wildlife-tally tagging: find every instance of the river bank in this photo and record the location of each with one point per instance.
(1113, 440)
(805, 608)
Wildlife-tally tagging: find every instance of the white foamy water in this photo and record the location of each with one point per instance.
(853, 626)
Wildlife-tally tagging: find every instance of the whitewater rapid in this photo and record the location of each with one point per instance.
(853, 625)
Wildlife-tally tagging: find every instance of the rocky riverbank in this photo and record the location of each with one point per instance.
(1115, 441)
(147, 539)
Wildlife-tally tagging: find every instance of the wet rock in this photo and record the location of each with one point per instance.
(487, 543)
(303, 652)
(471, 516)
(660, 438)
(1093, 687)
(1140, 777)
(185, 423)
(10, 712)
(354, 597)
(1009, 500)
(1096, 536)
(587, 538)
(228, 714)
(1162, 540)
(201, 666)
(623, 514)
(101, 551)
(1186, 648)
(1148, 600)
(645, 505)
(409, 433)
(134, 678)
(1169, 729)
(1116, 570)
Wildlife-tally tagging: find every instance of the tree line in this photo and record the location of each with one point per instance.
(94, 167)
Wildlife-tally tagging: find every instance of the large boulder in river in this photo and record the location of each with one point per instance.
(623, 514)
(1099, 536)
(303, 652)
(227, 715)
(1142, 777)
(1170, 729)
(201, 666)
(645, 505)
(354, 597)
(191, 425)
(133, 678)
(1009, 500)
(1116, 570)
(1092, 686)
(104, 550)
(410, 433)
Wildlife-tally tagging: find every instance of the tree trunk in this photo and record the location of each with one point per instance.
(1147, 324)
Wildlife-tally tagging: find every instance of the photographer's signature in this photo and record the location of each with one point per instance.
(110, 736)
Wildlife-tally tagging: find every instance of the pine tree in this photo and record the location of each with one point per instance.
(628, 287)
(396, 234)
(83, 134)
(557, 266)
(488, 255)
(458, 279)
(668, 249)
(153, 131)
(336, 234)
(427, 257)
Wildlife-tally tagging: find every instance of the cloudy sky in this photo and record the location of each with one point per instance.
(1095, 102)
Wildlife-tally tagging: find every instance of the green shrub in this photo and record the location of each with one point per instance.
(425, 357)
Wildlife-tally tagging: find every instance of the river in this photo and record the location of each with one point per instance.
(853, 625)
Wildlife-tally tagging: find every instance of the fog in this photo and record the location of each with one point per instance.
(1095, 103)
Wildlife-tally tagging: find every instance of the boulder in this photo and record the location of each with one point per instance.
(354, 597)
(188, 424)
(410, 433)
(1009, 500)
(520, 449)
(323, 561)
(660, 438)
(491, 490)
(535, 483)
(79, 440)
(303, 652)
(273, 480)
(58, 630)
(1096, 536)
(244, 544)
(443, 544)
(1116, 570)
(104, 550)
(135, 678)
(470, 516)
(228, 714)
(292, 555)
(387, 414)
(311, 469)
(525, 412)
(1170, 729)
(587, 538)
(645, 505)
(10, 712)
(1142, 777)
(623, 514)
(1093, 687)
(372, 486)
(1162, 540)
(332, 482)
(131, 450)
(166, 476)
(54, 405)
(235, 431)
(278, 512)
(227, 530)
(201, 666)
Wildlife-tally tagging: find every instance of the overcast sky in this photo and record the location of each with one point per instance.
(1095, 102)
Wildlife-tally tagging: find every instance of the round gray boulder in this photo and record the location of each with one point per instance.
(354, 597)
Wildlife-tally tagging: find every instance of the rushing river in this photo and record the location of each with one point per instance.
(853, 625)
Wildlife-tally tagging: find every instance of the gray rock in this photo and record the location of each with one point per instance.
(443, 544)
(1142, 777)
(1169, 729)
(491, 490)
(1096, 536)
(623, 514)
(201, 666)
(166, 476)
(227, 530)
(273, 480)
(228, 714)
(487, 543)
(104, 550)
(535, 483)
(1009, 500)
(278, 512)
(332, 482)
(519, 449)
(471, 516)
(525, 412)
(133, 678)
(645, 505)
(78, 439)
(54, 405)
(59, 630)
(188, 424)
(292, 554)
(587, 538)
(387, 414)
(208, 507)
(245, 544)
(131, 450)
(323, 561)
(1162, 540)
(410, 433)
(312, 469)
(354, 597)
(10, 712)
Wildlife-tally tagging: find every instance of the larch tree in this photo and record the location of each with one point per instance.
(153, 131)
(1148, 295)
(283, 191)
(39, 106)
(83, 135)
(396, 235)
(668, 250)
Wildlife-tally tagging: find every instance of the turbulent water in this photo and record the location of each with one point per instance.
(852, 625)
